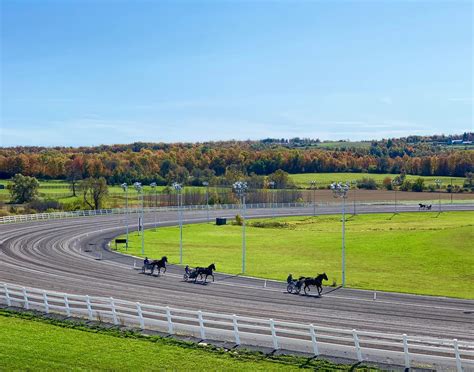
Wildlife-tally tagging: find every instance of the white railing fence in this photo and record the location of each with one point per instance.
(103, 212)
(353, 344)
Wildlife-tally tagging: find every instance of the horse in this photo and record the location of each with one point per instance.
(160, 264)
(317, 281)
(201, 271)
(422, 206)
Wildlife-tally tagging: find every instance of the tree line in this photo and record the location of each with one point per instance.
(225, 162)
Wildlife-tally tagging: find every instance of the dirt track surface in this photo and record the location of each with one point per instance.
(52, 255)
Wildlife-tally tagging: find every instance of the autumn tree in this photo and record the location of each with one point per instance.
(94, 191)
(23, 189)
(74, 170)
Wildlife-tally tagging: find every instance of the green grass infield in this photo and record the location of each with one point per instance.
(422, 253)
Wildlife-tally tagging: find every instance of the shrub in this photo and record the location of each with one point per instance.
(418, 185)
(239, 220)
(387, 183)
(367, 183)
(270, 224)
(43, 205)
(406, 186)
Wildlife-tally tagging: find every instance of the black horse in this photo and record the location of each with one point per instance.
(317, 282)
(160, 264)
(205, 271)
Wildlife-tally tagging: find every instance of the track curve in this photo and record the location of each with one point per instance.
(52, 255)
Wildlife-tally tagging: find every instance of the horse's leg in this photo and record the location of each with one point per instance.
(212, 277)
(205, 279)
(164, 271)
(320, 290)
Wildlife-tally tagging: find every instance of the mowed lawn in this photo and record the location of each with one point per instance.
(323, 179)
(30, 345)
(423, 253)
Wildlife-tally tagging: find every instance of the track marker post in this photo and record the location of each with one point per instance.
(26, 304)
(405, 350)
(458, 357)
(274, 336)
(236, 330)
(313, 340)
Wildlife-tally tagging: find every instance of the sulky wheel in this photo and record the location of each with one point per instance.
(185, 277)
(290, 287)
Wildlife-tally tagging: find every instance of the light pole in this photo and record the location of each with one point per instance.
(153, 187)
(438, 185)
(139, 188)
(206, 184)
(340, 190)
(452, 190)
(354, 185)
(240, 189)
(395, 184)
(178, 189)
(272, 185)
(313, 186)
(125, 188)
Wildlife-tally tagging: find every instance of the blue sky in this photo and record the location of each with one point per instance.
(103, 72)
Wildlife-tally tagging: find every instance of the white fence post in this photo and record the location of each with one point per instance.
(405, 350)
(313, 340)
(66, 303)
(458, 357)
(274, 336)
(89, 307)
(201, 325)
(7, 295)
(170, 323)
(236, 330)
(45, 302)
(140, 315)
(114, 312)
(26, 303)
(357, 345)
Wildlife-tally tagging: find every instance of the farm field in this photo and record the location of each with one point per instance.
(323, 179)
(33, 344)
(422, 253)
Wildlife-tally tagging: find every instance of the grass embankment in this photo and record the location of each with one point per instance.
(423, 253)
(31, 343)
(323, 179)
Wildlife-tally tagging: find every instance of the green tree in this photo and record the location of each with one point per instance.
(23, 189)
(281, 179)
(418, 185)
(94, 191)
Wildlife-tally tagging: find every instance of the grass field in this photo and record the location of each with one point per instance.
(30, 343)
(422, 253)
(323, 179)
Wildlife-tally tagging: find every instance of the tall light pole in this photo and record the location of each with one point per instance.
(395, 184)
(313, 186)
(240, 189)
(206, 184)
(125, 188)
(153, 187)
(272, 185)
(139, 188)
(438, 185)
(354, 185)
(340, 190)
(452, 190)
(178, 187)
